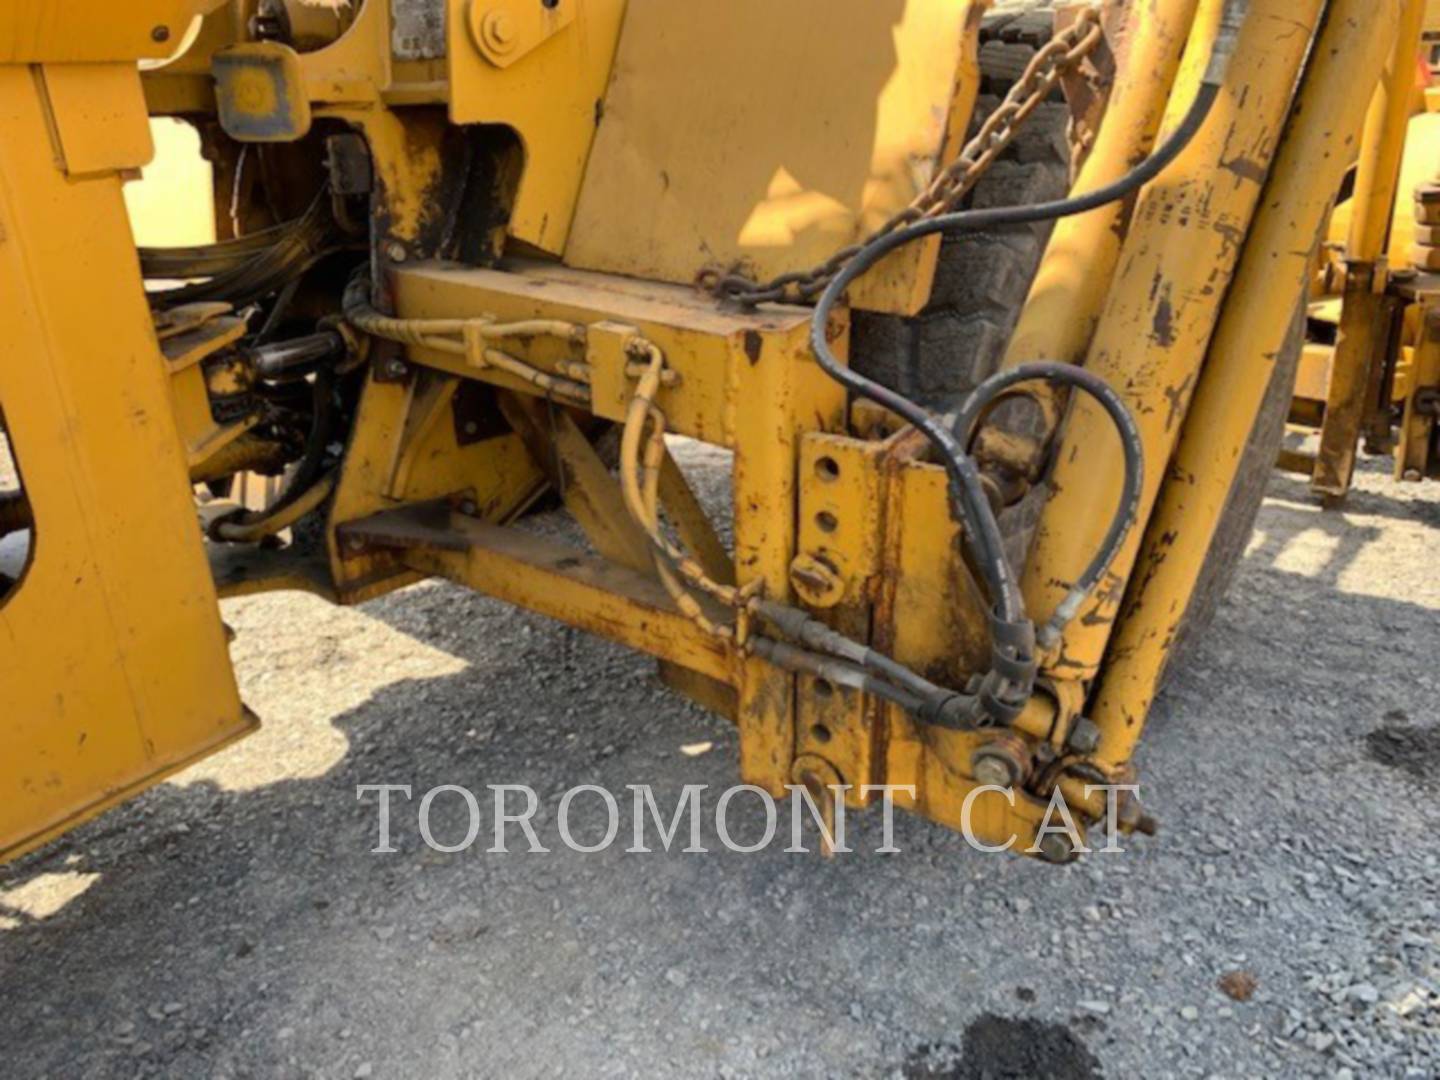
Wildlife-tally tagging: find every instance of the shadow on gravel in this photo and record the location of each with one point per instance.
(1424, 508)
(1002, 1048)
(282, 942)
(1283, 523)
(1411, 748)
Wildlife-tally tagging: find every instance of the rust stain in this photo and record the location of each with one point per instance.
(1246, 169)
(1162, 330)
(753, 343)
(1177, 396)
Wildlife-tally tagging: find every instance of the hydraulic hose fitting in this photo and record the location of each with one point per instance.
(1226, 39)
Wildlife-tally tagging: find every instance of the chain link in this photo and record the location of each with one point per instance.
(951, 185)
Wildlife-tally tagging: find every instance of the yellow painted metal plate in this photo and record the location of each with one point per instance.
(99, 116)
(1312, 380)
(550, 96)
(65, 31)
(745, 133)
(113, 662)
(715, 351)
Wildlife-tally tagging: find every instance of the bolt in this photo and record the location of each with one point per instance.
(1056, 848)
(1413, 475)
(354, 543)
(816, 581)
(502, 27)
(993, 770)
(160, 34)
(396, 369)
(1084, 736)
(468, 508)
(471, 427)
(395, 251)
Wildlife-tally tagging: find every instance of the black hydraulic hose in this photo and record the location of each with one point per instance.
(298, 355)
(982, 532)
(1126, 513)
(312, 459)
(921, 696)
(1012, 662)
(278, 310)
(310, 465)
(840, 672)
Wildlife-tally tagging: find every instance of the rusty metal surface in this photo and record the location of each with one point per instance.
(584, 590)
(417, 29)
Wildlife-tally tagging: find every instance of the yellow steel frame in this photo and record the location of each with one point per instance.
(1376, 290)
(1183, 312)
(113, 664)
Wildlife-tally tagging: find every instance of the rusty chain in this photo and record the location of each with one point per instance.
(950, 186)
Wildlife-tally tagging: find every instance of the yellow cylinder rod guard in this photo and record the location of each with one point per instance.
(1175, 266)
(1257, 320)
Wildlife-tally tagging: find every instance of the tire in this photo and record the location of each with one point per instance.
(982, 278)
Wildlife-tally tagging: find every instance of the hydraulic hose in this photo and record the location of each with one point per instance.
(783, 654)
(965, 476)
(297, 355)
(1012, 670)
(886, 677)
(306, 488)
(1128, 510)
(251, 530)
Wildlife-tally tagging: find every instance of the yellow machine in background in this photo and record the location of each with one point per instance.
(1370, 375)
(987, 476)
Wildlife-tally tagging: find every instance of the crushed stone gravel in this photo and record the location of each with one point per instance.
(234, 923)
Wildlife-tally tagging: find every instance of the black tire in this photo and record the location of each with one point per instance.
(982, 278)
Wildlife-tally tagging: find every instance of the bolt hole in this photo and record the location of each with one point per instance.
(160, 34)
(827, 469)
(824, 688)
(552, 4)
(820, 733)
(827, 521)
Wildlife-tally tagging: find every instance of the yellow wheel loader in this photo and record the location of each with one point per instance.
(996, 311)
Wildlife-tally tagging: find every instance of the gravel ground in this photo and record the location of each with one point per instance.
(234, 922)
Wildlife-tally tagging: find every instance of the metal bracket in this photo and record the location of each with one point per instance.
(507, 30)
